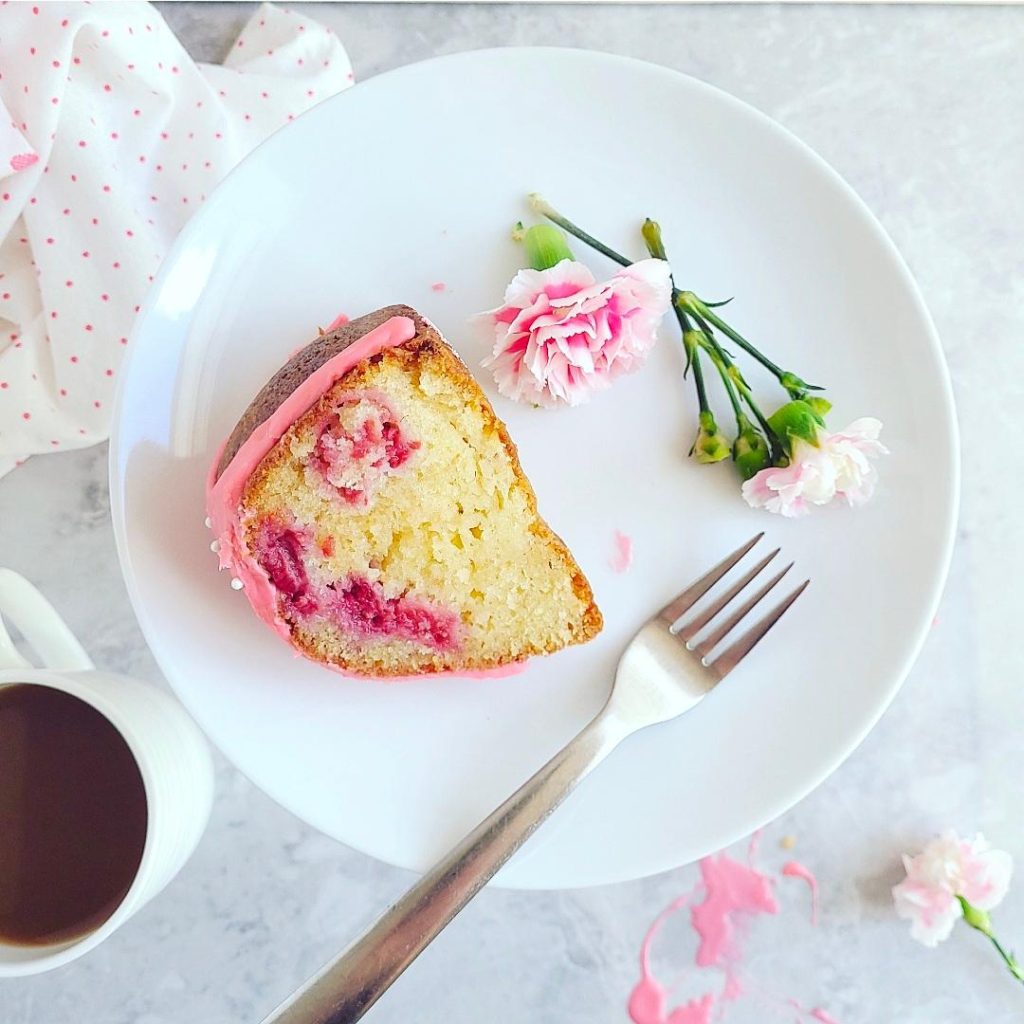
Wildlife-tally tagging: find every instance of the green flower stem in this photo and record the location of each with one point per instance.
(980, 922)
(795, 386)
(695, 340)
(693, 357)
(545, 209)
(722, 357)
(729, 386)
(694, 305)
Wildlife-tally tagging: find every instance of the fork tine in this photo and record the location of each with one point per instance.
(691, 629)
(733, 655)
(693, 593)
(719, 633)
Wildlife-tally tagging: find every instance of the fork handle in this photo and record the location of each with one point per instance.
(344, 989)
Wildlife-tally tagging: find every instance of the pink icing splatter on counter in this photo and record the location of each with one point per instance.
(822, 1016)
(731, 889)
(794, 869)
(729, 894)
(648, 1000)
(622, 556)
(438, 286)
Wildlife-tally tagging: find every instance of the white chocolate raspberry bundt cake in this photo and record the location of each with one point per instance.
(373, 509)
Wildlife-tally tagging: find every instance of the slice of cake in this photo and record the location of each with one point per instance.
(373, 509)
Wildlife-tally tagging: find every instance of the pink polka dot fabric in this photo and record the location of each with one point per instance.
(110, 138)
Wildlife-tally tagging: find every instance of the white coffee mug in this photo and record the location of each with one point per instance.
(171, 753)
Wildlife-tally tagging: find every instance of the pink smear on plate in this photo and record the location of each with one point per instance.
(339, 321)
(794, 869)
(622, 557)
(729, 895)
(438, 286)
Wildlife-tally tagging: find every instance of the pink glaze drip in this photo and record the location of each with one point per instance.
(793, 869)
(224, 494)
(732, 892)
(622, 557)
(438, 286)
(339, 321)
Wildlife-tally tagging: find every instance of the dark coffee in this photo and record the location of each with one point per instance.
(72, 816)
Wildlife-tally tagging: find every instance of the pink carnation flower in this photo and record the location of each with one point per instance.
(838, 467)
(561, 335)
(946, 868)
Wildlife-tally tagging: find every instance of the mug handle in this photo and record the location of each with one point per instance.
(39, 623)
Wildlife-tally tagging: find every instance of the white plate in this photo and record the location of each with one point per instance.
(414, 178)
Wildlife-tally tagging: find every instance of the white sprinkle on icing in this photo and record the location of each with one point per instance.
(215, 546)
(236, 583)
(208, 522)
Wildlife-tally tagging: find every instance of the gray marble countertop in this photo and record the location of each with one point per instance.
(919, 108)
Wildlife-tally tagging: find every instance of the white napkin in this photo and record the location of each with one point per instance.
(110, 138)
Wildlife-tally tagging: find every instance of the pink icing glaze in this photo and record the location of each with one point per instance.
(224, 493)
(339, 321)
(732, 889)
(732, 892)
(794, 869)
(622, 558)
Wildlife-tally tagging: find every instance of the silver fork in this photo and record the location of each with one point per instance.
(662, 674)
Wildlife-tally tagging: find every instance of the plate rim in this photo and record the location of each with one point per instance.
(944, 397)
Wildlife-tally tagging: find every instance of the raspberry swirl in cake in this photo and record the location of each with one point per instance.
(374, 511)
